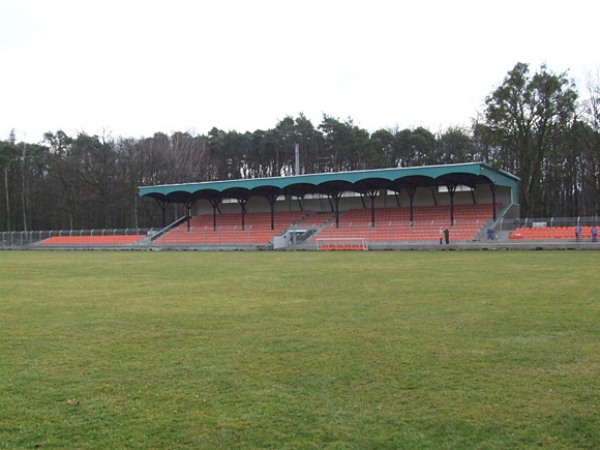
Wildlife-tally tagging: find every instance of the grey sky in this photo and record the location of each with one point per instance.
(131, 68)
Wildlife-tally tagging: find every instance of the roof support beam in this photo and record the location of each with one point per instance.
(242, 201)
(335, 196)
(188, 208)
(214, 201)
(411, 190)
(272, 198)
(493, 189)
(299, 198)
(433, 188)
(396, 194)
(163, 204)
(362, 200)
(331, 207)
(451, 191)
(372, 194)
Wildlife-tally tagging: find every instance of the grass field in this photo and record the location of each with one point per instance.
(365, 350)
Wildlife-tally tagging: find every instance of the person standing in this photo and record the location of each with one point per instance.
(441, 235)
(577, 232)
(594, 234)
(447, 235)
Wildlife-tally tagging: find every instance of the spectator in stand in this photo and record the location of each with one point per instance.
(447, 235)
(594, 234)
(577, 232)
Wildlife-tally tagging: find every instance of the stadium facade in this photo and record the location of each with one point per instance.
(451, 184)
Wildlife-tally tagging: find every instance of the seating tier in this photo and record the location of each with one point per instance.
(117, 239)
(228, 230)
(393, 224)
(549, 233)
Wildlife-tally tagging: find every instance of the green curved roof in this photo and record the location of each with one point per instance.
(469, 174)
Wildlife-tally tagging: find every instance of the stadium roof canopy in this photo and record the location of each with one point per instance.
(469, 174)
(366, 182)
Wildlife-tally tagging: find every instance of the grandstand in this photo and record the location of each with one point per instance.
(391, 206)
(393, 225)
(371, 209)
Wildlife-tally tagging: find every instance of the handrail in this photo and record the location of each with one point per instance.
(172, 225)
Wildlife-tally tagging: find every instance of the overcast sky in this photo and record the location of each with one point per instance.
(131, 68)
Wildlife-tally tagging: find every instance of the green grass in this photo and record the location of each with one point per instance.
(423, 350)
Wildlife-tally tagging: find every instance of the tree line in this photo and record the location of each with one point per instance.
(533, 125)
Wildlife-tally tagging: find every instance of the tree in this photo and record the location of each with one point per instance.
(589, 134)
(8, 154)
(312, 144)
(522, 116)
(454, 146)
(414, 147)
(346, 144)
(381, 149)
(281, 141)
(65, 175)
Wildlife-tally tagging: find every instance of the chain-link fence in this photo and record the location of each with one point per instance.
(508, 225)
(384, 232)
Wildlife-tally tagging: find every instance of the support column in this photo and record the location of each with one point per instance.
(214, 202)
(435, 202)
(397, 196)
(163, 204)
(451, 191)
(331, 207)
(188, 207)
(372, 194)
(336, 201)
(242, 201)
(272, 198)
(411, 190)
(493, 189)
(299, 198)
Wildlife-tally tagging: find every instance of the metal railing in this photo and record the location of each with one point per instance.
(543, 222)
(18, 239)
(386, 231)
